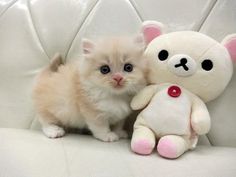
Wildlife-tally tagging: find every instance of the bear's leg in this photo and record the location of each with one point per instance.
(173, 146)
(143, 140)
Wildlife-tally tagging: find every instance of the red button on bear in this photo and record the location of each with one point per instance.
(174, 91)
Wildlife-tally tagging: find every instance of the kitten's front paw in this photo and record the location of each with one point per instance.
(53, 131)
(107, 137)
(122, 133)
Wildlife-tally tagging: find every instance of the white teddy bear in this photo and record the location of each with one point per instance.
(187, 69)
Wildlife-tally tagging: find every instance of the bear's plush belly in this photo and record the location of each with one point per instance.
(166, 114)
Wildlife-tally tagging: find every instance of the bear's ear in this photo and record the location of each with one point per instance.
(151, 29)
(230, 43)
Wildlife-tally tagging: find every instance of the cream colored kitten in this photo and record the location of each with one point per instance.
(94, 92)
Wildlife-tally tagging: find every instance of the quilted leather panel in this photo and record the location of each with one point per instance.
(57, 22)
(5, 4)
(221, 22)
(177, 15)
(21, 55)
(120, 18)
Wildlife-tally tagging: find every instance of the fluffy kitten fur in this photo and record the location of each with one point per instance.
(78, 95)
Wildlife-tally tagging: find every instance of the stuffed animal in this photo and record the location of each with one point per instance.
(187, 69)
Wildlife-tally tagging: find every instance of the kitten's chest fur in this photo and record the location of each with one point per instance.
(113, 107)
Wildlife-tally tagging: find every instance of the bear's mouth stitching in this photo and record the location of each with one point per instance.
(183, 63)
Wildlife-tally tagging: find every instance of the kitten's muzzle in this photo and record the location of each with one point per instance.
(118, 78)
(182, 65)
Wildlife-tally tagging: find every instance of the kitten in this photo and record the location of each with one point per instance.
(93, 92)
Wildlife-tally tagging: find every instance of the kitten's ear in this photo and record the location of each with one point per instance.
(139, 40)
(88, 46)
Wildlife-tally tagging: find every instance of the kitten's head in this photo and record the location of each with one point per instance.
(115, 64)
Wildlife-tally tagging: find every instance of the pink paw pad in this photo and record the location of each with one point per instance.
(143, 147)
(167, 148)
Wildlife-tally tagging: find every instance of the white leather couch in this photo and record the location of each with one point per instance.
(31, 31)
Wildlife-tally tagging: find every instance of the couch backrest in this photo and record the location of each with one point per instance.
(32, 31)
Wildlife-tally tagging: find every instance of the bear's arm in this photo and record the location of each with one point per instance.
(142, 99)
(200, 118)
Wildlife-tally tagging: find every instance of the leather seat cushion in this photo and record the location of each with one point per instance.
(27, 153)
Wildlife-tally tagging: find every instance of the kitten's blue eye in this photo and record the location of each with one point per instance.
(128, 67)
(105, 69)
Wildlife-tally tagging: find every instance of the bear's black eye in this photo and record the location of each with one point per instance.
(105, 69)
(207, 65)
(163, 55)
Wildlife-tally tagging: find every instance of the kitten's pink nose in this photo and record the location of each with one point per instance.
(118, 78)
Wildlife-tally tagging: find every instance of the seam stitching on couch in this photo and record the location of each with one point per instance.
(207, 15)
(12, 4)
(66, 159)
(79, 28)
(209, 140)
(136, 10)
(35, 30)
(31, 122)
